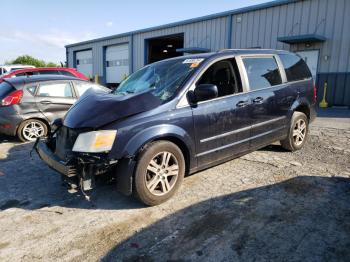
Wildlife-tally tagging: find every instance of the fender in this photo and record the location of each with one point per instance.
(300, 101)
(157, 132)
(127, 164)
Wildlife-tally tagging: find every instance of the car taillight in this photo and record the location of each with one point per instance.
(13, 98)
(315, 91)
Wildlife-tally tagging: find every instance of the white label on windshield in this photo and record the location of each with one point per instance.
(193, 61)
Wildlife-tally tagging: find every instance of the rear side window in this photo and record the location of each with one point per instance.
(262, 72)
(55, 90)
(82, 87)
(295, 67)
(27, 73)
(31, 89)
(5, 89)
(66, 73)
(49, 72)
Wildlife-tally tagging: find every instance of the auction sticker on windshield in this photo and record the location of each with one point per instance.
(194, 62)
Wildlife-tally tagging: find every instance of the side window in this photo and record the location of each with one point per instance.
(66, 73)
(295, 67)
(27, 73)
(223, 74)
(262, 72)
(55, 90)
(31, 89)
(49, 72)
(82, 87)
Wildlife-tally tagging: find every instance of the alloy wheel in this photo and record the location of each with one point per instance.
(299, 132)
(162, 173)
(33, 130)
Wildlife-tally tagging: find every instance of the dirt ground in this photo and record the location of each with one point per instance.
(267, 205)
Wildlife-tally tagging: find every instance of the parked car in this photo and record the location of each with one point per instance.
(180, 116)
(45, 71)
(5, 69)
(29, 104)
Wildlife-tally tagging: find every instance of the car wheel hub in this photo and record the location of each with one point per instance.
(162, 173)
(299, 132)
(33, 130)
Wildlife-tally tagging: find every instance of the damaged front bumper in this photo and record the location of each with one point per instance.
(80, 169)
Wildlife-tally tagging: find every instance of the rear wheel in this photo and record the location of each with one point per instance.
(298, 132)
(30, 130)
(159, 172)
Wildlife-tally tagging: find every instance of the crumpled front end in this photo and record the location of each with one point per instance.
(79, 169)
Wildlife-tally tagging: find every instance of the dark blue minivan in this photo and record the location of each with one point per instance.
(179, 116)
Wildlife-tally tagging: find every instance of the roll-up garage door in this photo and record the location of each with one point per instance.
(84, 62)
(117, 63)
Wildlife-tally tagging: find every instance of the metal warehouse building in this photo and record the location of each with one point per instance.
(319, 30)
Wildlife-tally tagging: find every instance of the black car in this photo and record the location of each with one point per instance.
(182, 115)
(29, 104)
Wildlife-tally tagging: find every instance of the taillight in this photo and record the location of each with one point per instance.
(315, 91)
(13, 98)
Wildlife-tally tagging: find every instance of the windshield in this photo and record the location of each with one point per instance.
(163, 78)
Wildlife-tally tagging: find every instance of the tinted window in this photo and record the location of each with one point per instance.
(27, 73)
(82, 87)
(262, 72)
(5, 89)
(295, 67)
(49, 72)
(66, 73)
(55, 89)
(222, 74)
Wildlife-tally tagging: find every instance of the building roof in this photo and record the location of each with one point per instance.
(296, 39)
(193, 20)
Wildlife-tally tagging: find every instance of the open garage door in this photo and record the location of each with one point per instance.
(84, 62)
(164, 47)
(117, 63)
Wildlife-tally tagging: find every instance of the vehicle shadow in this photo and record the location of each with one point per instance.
(8, 139)
(26, 182)
(300, 219)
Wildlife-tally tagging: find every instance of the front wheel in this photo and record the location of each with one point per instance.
(159, 173)
(297, 133)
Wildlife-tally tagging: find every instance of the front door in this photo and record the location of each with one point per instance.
(54, 99)
(222, 125)
(268, 99)
(311, 59)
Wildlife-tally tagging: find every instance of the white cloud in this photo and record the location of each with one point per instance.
(55, 39)
(48, 46)
(109, 24)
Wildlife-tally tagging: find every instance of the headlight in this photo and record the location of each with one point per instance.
(95, 142)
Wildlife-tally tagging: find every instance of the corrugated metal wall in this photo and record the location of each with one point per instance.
(259, 28)
(210, 34)
(98, 60)
(329, 18)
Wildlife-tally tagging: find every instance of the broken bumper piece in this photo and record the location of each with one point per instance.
(80, 169)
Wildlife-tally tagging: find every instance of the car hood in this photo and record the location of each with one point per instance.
(96, 108)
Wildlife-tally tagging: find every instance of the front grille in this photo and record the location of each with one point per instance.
(65, 139)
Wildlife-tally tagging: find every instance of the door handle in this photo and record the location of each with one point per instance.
(45, 102)
(242, 103)
(258, 100)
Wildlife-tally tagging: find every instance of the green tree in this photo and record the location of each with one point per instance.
(29, 60)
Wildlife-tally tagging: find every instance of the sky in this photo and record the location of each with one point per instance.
(41, 28)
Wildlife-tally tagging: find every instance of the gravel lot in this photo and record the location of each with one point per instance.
(268, 205)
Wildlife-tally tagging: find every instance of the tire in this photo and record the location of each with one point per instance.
(297, 133)
(154, 184)
(31, 129)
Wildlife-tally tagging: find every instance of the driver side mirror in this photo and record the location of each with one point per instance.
(203, 92)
